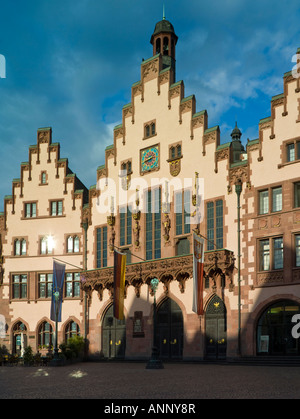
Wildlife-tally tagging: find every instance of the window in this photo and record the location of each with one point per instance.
(277, 199)
(19, 286)
(56, 208)
(125, 226)
(150, 129)
(73, 284)
(128, 255)
(46, 245)
(45, 334)
(153, 224)
(297, 249)
(73, 244)
(278, 253)
(45, 285)
(264, 202)
(101, 250)
(297, 195)
(293, 151)
(126, 167)
(182, 210)
(264, 257)
(30, 210)
(175, 152)
(72, 329)
(43, 178)
(271, 254)
(20, 247)
(214, 211)
(183, 247)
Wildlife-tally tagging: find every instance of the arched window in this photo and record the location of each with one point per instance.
(73, 244)
(20, 247)
(147, 131)
(43, 178)
(153, 128)
(150, 129)
(46, 245)
(158, 46)
(166, 46)
(45, 334)
(72, 329)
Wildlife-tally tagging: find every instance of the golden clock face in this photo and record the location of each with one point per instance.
(149, 159)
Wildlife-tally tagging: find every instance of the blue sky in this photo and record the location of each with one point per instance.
(70, 65)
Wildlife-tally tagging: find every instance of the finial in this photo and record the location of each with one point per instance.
(164, 16)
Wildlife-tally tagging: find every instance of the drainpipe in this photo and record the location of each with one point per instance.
(85, 227)
(238, 190)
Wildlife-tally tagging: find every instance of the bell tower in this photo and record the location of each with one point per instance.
(164, 41)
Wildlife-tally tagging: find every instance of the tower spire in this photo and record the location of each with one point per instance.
(164, 15)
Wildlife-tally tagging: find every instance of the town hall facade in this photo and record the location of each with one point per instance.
(166, 177)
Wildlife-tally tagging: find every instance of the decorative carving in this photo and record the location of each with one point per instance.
(175, 167)
(262, 223)
(138, 89)
(276, 221)
(269, 277)
(150, 69)
(128, 111)
(236, 173)
(222, 154)
(44, 136)
(167, 225)
(297, 217)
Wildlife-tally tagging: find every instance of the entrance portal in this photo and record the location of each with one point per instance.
(169, 337)
(113, 335)
(215, 329)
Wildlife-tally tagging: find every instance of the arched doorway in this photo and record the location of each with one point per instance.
(274, 330)
(169, 337)
(113, 335)
(215, 329)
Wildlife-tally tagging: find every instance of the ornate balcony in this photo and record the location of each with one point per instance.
(218, 269)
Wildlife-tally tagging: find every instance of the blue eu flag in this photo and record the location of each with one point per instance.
(57, 286)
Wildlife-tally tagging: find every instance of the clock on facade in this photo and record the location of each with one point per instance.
(149, 159)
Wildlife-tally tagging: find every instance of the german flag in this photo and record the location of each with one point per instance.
(198, 261)
(119, 284)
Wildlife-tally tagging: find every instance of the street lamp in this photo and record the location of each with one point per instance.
(238, 190)
(154, 362)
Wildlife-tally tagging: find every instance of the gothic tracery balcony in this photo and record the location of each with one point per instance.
(218, 270)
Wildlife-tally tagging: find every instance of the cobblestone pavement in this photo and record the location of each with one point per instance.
(133, 381)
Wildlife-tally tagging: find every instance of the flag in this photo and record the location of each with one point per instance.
(198, 261)
(119, 284)
(57, 285)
